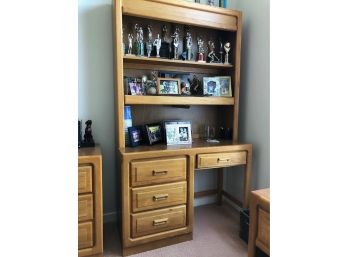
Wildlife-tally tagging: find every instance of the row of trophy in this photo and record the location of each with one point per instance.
(161, 48)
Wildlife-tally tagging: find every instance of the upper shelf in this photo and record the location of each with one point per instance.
(177, 100)
(179, 11)
(137, 62)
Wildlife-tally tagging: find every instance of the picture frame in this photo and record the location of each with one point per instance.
(168, 86)
(136, 88)
(225, 86)
(178, 132)
(135, 135)
(153, 133)
(217, 86)
(211, 86)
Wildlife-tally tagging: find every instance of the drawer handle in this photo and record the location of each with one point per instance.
(223, 160)
(160, 197)
(160, 172)
(160, 222)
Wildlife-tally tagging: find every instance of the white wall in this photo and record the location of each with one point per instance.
(254, 123)
(96, 94)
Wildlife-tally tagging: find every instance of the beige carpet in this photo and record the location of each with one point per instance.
(215, 234)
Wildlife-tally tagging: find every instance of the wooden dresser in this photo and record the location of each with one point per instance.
(259, 230)
(90, 201)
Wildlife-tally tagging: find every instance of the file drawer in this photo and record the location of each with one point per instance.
(85, 235)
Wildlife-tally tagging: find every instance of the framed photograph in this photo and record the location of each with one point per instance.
(225, 86)
(153, 133)
(136, 88)
(211, 86)
(168, 86)
(178, 132)
(135, 135)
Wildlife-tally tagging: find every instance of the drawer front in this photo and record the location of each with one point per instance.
(85, 179)
(157, 221)
(221, 159)
(85, 207)
(263, 231)
(157, 171)
(85, 235)
(152, 197)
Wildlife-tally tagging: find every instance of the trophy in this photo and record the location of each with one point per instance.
(157, 43)
(139, 40)
(227, 48)
(211, 56)
(211, 2)
(189, 45)
(200, 53)
(130, 44)
(175, 43)
(221, 51)
(149, 43)
(165, 51)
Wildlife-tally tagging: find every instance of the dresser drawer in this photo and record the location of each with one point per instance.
(151, 222)
(263, 234)
(85, 179)
(221, 159)
(85, 235)
(157, 171)
(85, 207)
(152, 197)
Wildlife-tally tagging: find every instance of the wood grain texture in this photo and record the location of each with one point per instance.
(224, 159)
(180, 12)
(177, 100)
(156, 171)
(85, 232)
(85, 206)
(92, 157)
(85, 179)
(259, 222)
(159, 220)
(152, 197)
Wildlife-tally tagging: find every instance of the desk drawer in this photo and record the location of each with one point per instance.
(151, 222)
(85, 179)
(85, 235)
(152, 197)
(263, 234)
(155, 171)
(85, 207)
(221, 159)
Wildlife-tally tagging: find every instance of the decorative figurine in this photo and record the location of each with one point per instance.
(175, 37)
(200, 53)
(157, 43)
(227, 48)
(151, 85)
(149, 41)
(196, 87)
(130, 44)
(211, 2)
(165, 51)
(88, 138)
(221, 51)
(211, 57)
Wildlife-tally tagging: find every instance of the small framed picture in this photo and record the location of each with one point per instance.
(135, 135)
(153, 133)
(211, 86)
(225, 86)
(178, 132)
(168, 86)
(136, 88)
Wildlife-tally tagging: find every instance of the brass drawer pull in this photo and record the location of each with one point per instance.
(223, 160)
(160, 222)
(160, 172)
(160, 197)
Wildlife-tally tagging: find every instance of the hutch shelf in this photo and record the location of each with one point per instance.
(157, 182)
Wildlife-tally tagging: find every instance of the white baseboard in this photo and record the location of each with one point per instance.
(232, 204)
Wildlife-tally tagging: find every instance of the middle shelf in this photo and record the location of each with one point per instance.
(177, 100)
